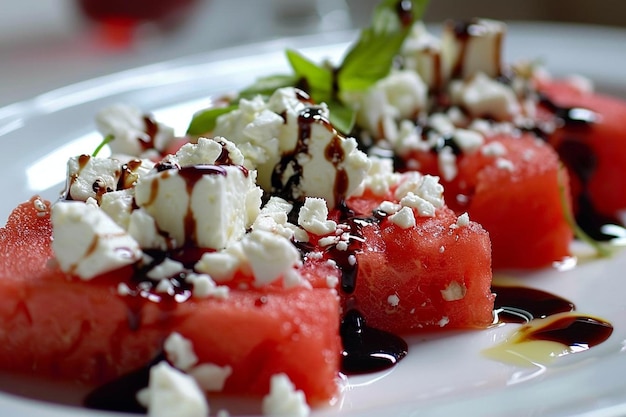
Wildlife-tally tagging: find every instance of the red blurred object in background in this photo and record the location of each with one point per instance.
(119, 19)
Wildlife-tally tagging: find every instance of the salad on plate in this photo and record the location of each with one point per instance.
(306, 226)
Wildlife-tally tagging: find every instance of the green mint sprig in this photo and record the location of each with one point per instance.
(105, 141)
(367, 61)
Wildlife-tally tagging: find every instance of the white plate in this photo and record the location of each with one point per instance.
(443, 375)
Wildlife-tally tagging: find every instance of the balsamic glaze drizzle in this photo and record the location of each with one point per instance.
(522, 305)
(367, 349)
(515, 304)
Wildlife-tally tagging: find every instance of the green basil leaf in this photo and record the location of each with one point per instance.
(341, 117)
(319, 80)
(204, 121)
(265, 86)
(371, 58)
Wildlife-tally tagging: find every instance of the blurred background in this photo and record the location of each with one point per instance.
(46, 44)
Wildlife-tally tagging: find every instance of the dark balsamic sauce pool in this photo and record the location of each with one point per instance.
(563, 325)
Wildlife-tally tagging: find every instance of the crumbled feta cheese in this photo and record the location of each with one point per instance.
(328, 241)
(118, 205)
(424, 208)
(313, 217)
(389, 207)
(142, 227)
(41, 207)
(505, 164)
(284, 400)
(463, 220)
(485, 97)
(426, 187)
(179, 351)
(404, 218)
(211, 377)
(441, 123)
(342, 245)
(208, 152)
(269, 256)
(166, 269)
(494, 148)
(454, 291)
(123, 289)
(444, 321)
(468, 140)
(129, 127)
(409, 139)
(332, 281)
(222, 265)
(204, 286)
(446, 160)
(87, 242)
(171, 392)
(164, 286)
(393, 300)
(202, 201)
(273, 217)
(380, 176)
(88, 176)
(402, 94)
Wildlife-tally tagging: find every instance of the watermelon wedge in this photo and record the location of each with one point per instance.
(56, 326)
(513, 187)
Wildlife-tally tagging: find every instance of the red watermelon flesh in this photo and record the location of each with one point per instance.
(56, 326)
(431, 276)
(593, 152)
(516, 197)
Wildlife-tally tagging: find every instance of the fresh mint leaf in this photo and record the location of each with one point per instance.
(371, 58)
(204, 121)
(265, 86)
(105, 141)
(319, 80)
(341, 116)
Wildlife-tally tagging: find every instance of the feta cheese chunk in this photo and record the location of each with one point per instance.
(208, 152)
(323, 164)
(270, 256)
(284, 400)
(211, 377)
(87, 242)
(179, 351)
(118, 205)
(88, 176)
(134, 132)
(422, 53)
(485, 97)
(293, 146)
(402, 94)
(208, 205)
(171, 392)
(469, 48)
(313, 217)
